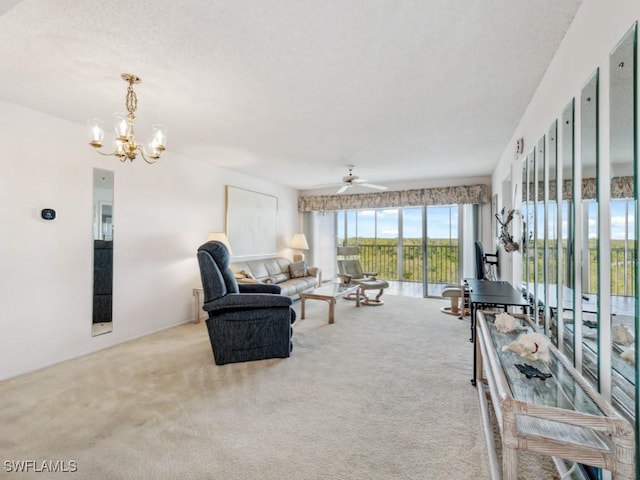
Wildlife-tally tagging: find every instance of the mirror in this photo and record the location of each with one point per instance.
(102, 251)
(525, 215)
(551, 256)
(590, 301)
(623, 160)
(539, 230)
(565, 313)
(529, 226)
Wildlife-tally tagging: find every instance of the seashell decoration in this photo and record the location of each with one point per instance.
(533, 346)
(505, 323)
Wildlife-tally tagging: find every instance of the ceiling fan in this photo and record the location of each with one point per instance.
(353, 180)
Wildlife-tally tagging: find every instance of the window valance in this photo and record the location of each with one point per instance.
(621, 187)
(462, 194)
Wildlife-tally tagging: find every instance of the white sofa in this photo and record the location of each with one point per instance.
(277, 271)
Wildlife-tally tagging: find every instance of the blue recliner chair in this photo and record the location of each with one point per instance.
(247, 321)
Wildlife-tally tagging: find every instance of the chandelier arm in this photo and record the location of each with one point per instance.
(106, 154)
(144, 154)
(122, 158)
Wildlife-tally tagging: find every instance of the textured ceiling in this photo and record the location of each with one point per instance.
(294, 90)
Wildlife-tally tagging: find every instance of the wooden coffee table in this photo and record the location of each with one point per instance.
(329, 293)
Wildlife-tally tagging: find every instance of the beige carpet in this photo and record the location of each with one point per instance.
(383, 393)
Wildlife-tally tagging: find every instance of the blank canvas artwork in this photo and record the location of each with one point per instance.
(252, 222)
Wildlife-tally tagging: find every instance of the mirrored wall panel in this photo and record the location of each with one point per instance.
(525, 216)
(551, 253)
(539, 230)
(103, 234)
(565, 316)
(622, 135)
(589, 234)
(529, 226)
(580, 256)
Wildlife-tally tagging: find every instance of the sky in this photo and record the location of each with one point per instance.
(618, 217)
(442, 222)
(619, 220)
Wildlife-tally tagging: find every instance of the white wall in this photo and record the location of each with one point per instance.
(162, 213)
(596, 30)
(320, 229)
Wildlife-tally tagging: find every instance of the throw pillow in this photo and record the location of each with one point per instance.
(246, 280)
(278, 278)
(298, 269)
(242, 274)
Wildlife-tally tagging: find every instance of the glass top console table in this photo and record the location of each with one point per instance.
(562, 416)
(490, 293)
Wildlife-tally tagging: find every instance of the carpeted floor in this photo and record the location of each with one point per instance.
(383, 393)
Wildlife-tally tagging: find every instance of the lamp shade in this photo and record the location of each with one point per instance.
(299, 241)
(220, 237)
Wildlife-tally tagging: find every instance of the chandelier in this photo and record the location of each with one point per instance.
(126, 146)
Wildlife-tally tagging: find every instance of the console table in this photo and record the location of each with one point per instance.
(490, 293)
(562, 416)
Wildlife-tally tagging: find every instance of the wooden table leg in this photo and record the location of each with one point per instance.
(302, 300)
(477, 360)
(332, 310)
(509, 443)
(198, 304)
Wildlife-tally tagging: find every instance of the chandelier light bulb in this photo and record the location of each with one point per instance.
(120, 150)
(96, 132)
(159, 135)
(120, 124)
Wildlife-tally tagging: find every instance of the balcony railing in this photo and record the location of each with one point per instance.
(442, 263)
(622, 262)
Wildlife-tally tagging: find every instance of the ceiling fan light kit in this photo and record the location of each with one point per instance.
(352, 180)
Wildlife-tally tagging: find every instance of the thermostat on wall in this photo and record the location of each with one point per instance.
(48, 213)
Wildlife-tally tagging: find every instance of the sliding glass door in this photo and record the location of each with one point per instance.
(419, 244)
(378, 241)
(442, 248)
(412, 250)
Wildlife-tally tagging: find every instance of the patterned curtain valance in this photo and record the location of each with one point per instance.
(621, 187)
(463, 194)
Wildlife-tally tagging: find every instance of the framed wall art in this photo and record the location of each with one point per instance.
(251, 222)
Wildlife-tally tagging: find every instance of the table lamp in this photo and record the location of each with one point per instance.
(299, 242)
(220, 237)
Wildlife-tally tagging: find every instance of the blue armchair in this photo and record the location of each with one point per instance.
(246, 321)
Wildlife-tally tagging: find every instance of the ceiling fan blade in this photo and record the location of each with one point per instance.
(375, 187)
(353, 180)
